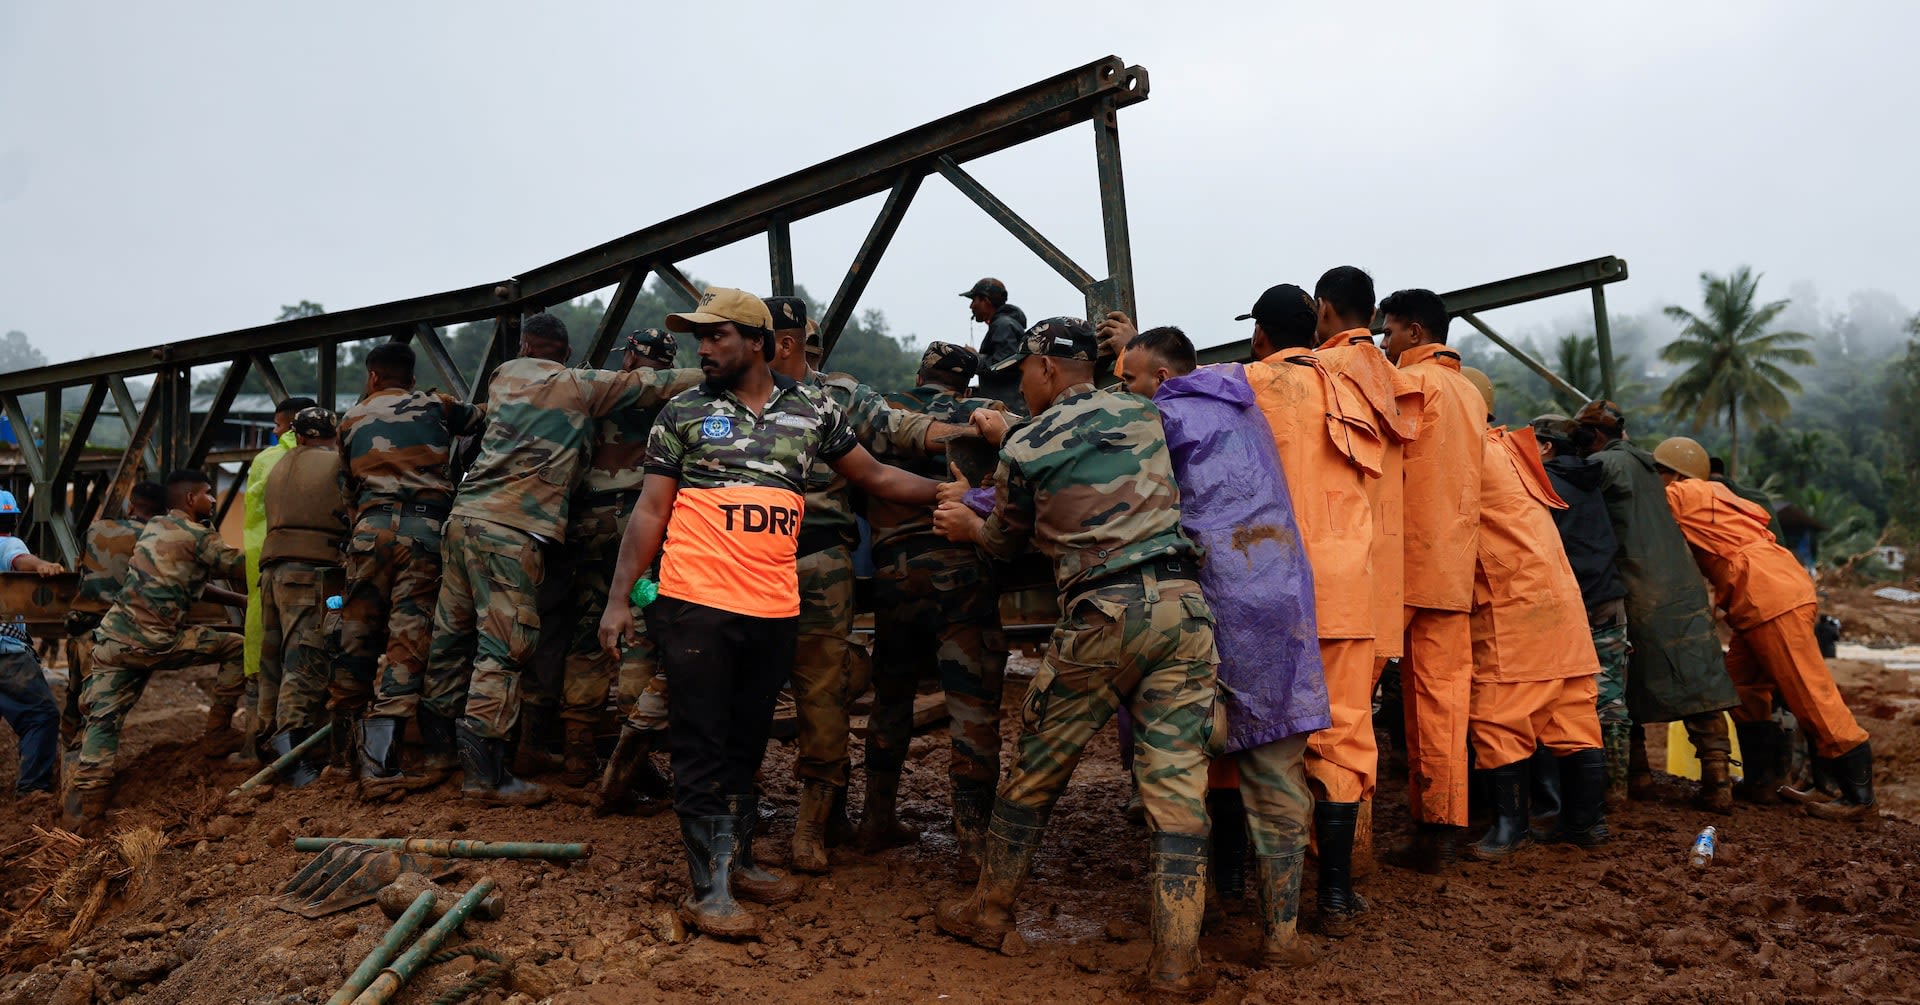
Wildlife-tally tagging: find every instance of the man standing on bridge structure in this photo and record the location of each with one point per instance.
(728, 466)
(1006, 330)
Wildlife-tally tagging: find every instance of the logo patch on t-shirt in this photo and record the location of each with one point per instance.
(716, 427)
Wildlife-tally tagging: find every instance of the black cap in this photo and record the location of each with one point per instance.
(656, 344)
(991, 288)
(788, 312)
(1280, 307)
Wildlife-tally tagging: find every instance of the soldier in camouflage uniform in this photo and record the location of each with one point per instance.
(486, 622)
(1587, 534)
(103, 570)
(146, 631)
(823, 665)
(396, 444)
(608, 488)
(1089, 482)
(307, 507)
(936, 611)
(727, 464)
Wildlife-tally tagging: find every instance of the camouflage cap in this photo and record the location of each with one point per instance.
(991, 288)
(948, 358)
(719, 305)
(788, 312)
(656, 344)
(1061, 338)
(814, 345)
(315, 424)
(1601, 414)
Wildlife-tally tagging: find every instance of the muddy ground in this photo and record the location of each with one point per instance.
(1793, 909)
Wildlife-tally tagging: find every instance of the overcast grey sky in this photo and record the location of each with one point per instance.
(169, 170)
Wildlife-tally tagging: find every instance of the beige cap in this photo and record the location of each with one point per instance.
(720, 304)
(1480, 383)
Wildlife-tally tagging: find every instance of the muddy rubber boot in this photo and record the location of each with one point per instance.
(579, 764)
(85, 811)
(343, 741)
(440, 753)
(379, 755)
(1281, 947)
(220, 738)
(1854, 771)
(1821, 787)
(489, 781)
(1433, 850)
(1716, 783)
(985, 917)
(629, 753)
(751, 881)
(1760, 744)
(1179, 890)
(880, 825)
(810, 827)
(709, 906)
(531, 757)
(1583, 817)
(1507, 785)
(839, 825)
(301, 772)
(1363, 858)
(1639, 769)
(972, 809)
(1339, 909)
(254, 739)
(1227, 863)
(1543, 791)
(1618, 754)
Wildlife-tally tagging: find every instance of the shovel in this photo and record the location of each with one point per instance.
(345, 876)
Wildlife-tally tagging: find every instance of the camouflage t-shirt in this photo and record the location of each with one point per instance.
(171, 563)
(103, 567)
(540, 415)
(742, 477)
(888, 433)
(896, 525)
(396, 444)
(1090, 483)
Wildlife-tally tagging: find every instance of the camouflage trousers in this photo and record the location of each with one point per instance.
(593, 538)
(1273, 784)
(393, 581)
(823, 665)
(295, 667)
(73, 716)
(120, 675)
(1609, 624)
(1147, 645)
(485, 625)
(937, 611)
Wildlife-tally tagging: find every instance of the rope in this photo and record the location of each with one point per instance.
(484, 977)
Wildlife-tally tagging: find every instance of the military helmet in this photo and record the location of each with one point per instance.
(1683, 454)
(1480, 383)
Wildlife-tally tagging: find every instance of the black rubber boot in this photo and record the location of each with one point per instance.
(1339, 908)
(972, 809)
(1639, 769)
(440, 752)
(1853, 771)
(300, 772)
(1507, 790)
(1179, 893)
(488, 779)
(534, 755)
(839, 827)
(1433, 850)
(1583, 820)
(1228, 862)
(709, 906)
(1543, 792)
(985, 916)
(343, 741)
(1281, 945)
(880, 823)
(750, 880)
(1760, 745)
(379, 748)
(630, 768)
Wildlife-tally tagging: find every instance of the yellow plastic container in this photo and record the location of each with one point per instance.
(1680, 759)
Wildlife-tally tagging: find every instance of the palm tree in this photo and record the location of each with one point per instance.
(1732, 360)
(1577, 358)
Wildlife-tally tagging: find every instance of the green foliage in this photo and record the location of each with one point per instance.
(1732, 360)
(17, 353)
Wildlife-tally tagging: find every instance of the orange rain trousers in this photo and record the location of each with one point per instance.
(1781, 654)
(1342, 760)
(1510, 719)
(1436, 682)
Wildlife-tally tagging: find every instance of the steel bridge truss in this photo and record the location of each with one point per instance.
(66, 495)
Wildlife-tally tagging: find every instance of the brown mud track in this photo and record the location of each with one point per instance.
(1793, 909)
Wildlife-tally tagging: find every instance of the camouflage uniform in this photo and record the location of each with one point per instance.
(146, 630)
(103, 569)
(486, 621)
(307, 506)
(936, 611)
(823, 667)
(1608, 623)
(396, 446)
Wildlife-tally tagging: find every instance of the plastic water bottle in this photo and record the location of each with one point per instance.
(336, 602)
(1702, 854)
(645, 591)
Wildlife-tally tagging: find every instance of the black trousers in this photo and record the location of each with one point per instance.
(724, 671)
